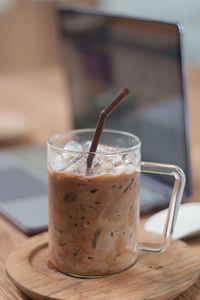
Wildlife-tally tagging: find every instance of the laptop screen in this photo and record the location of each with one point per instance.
(104, 53)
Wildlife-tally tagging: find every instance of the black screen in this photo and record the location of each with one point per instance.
(105, 53)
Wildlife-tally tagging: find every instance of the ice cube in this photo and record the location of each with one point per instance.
(116, 159)
(100, 147)
(128, 158)
(105, 148)
(81, 166)
(131, 161)
(73, 146)
(86, 145)
(77, 166)
(118, 165)
(101, 165)
(57, 161)
(70, 162)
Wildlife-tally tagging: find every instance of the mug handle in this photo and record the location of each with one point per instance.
(176, 197)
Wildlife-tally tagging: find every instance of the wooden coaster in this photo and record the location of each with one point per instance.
(155, 276)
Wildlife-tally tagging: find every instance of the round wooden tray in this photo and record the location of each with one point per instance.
(155, 276)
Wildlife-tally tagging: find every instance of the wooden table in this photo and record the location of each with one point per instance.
(41, 98)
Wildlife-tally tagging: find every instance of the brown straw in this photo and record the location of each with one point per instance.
(100, 125)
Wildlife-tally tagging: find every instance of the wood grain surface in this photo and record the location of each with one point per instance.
(152, 277)
(10, 237)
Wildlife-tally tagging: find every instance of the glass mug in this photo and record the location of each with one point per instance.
(94, 214)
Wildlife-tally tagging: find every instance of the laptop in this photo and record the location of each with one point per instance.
(103, 53)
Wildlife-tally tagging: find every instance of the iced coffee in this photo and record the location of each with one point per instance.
(93, 215)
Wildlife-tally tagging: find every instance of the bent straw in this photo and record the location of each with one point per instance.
(100, 124)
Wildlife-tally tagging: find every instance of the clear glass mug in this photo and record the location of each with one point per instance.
(94, 215)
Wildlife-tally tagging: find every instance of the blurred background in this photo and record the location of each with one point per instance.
(28, 27)
(30, 75)
(31, 86)
(33, 92)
